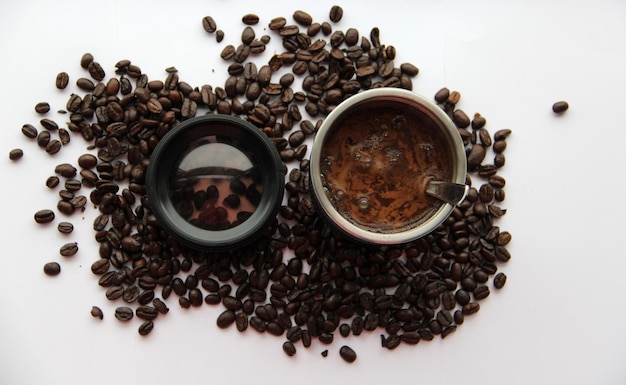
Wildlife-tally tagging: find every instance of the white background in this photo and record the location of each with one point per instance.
(559, 319)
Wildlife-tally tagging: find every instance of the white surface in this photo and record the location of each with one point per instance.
(560, 317)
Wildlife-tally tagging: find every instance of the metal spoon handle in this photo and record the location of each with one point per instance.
(448, 192)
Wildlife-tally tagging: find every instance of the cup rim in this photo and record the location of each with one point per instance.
(164, 156)
(396, 95)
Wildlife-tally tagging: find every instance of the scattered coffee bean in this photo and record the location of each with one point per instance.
(124, 313)
(44, 216)
(96, 312)
(347, 353)
(336, 13)
(209, 25)
(499, 280)
(250, 19)
(52, 268)
(146, 327)
(560, 107)
(289, 348)
(16, 154)
(69, 249)
(62, 80)
(42, 107)
(65, 227)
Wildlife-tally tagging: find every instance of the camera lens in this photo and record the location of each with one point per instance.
(215, 182)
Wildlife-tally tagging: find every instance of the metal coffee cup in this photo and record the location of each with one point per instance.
(364, 154)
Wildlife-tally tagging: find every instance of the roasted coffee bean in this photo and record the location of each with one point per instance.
(69, 249)
(277, 23)
(228, 52)
(43, 139)
(302, 18)
(131, 294)
(481, 292)
(62, 80)
(560, 107)
(52, 268)
(250, 19)
(96, 71)
(85, 84)
(219, 35)
(470, 308)
(65, 227)
(147, 313)
(44, 216)
(209, 25)
(16, 154)
(64, 136)
(146, 327)
(347, 354)
(96, 312)
(499, 280)
(160, 306)
(442, 95)
(114, 292)
(124, 313)
(501, 134)
(42, 107)
(248, 35)
(86, 59)
(226, 319)
(289, 348)
(100, 266)
(53, 146)
(29, 131)
(335, 14)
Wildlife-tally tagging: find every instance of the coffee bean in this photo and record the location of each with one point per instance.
(42, 107)
(52, 268)
(335, 14)
(226, 319)
(147, 313)
(470, 308)
(29, 131)
(228, 52)
(442, 95)
(62, 80)
(277, 23)
(499, 280)
(302, 18)
(96, 312)
(289, 348)
(96, 71)
(219, 35)
(347, 354)
(501, 134)
(560, 107)
(209, 25)
(65, 227)
(53, 146)
(248, 35)
(43, 139)
(124, 313)
(146, 327)
(250, 19)
(44, 216)
(16, 154)
(86, 59)
(69, 249)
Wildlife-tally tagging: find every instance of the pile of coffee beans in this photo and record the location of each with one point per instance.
(301, 280)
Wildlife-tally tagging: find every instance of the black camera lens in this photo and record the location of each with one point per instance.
(215, 182)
